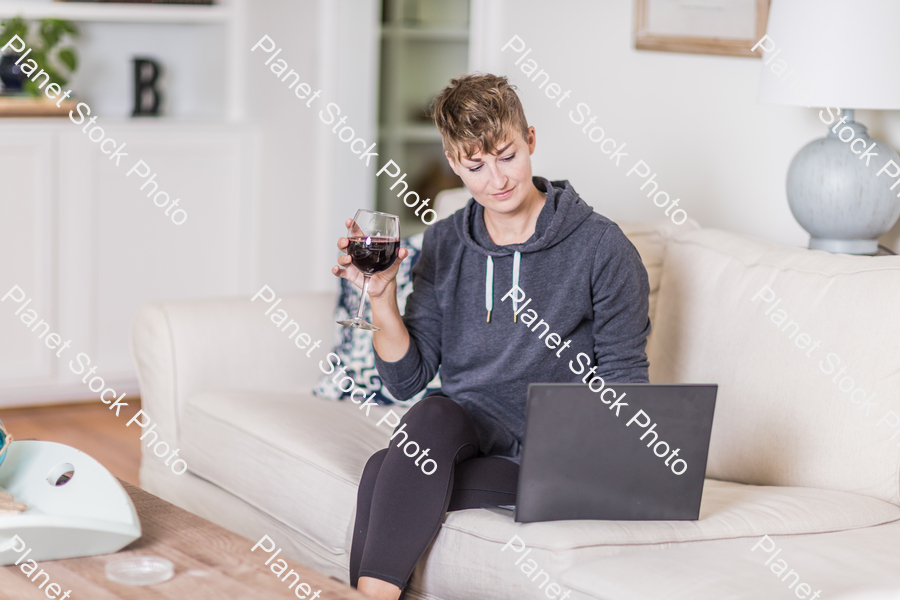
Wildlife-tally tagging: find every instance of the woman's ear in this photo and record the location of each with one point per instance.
(453, 164)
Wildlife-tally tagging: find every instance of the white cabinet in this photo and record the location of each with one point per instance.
(27, 248)
(89, 246)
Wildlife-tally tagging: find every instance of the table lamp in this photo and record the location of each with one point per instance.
(840, 55)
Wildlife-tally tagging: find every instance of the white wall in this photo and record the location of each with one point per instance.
(310, 182)
(693, 118)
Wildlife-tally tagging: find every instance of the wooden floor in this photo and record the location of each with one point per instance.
(91, 428)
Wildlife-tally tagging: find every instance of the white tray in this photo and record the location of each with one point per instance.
(88, 515)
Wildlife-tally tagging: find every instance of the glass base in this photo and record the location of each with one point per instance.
(358, 324)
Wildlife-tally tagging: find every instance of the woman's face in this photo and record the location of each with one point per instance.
(499, 182)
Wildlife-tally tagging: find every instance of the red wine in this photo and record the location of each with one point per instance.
(373, 254)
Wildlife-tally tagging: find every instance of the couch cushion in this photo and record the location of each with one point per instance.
(467, 559)
(295, 457)
(858, 564)
(299, 458)
(650, 240)
(781, 416)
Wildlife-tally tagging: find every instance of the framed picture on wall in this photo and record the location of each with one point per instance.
(728, 27)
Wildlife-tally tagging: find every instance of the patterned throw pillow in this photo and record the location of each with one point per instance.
(355, 345)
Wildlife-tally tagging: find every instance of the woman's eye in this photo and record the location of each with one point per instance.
(504, 159)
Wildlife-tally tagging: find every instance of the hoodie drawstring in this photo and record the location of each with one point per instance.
(489, 286)
(516, 259)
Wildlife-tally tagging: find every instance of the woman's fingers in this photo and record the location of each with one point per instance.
(341, 271)
(350, 273)
(402, 253)
(342, 243)
(345, 269)
(344, 266)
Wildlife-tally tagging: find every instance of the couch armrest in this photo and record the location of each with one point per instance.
(183, 347)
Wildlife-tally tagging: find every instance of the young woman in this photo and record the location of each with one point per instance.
(584, 279)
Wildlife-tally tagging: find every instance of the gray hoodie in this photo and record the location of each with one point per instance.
(579, 274)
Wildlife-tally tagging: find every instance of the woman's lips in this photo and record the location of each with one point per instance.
(504, 195)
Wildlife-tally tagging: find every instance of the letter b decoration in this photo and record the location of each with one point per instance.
(146, 96)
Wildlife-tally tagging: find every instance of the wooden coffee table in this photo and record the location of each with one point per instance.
(211, 563)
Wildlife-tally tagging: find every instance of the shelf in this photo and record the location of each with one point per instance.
(117, 12)
(413, 133)
(149, 123)
(439, 34)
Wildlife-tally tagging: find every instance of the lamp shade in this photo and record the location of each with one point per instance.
(840, 53)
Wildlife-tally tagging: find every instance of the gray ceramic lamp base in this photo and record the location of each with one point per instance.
(837, 197)
(844, 246)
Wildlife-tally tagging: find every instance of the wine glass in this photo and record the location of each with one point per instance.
(374, 240)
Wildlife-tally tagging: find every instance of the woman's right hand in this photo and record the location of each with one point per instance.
(380, 282)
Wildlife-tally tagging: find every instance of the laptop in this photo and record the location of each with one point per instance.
(581, 461)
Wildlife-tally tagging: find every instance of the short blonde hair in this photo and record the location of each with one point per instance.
(477, 112)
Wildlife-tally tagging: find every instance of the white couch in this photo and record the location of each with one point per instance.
(791, 455)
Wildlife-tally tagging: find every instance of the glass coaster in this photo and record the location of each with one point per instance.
(140, 570)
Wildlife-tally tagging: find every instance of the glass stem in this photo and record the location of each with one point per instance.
(362, 298)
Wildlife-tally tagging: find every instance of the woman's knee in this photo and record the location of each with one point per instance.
(439, 414)
(439, 425)
(373, 465)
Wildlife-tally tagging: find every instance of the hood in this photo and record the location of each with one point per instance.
(564, 211)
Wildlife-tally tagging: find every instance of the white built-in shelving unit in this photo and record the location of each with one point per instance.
(112, 33)
(254, 167)
(117, 12)
(424, 44)
(78, 234)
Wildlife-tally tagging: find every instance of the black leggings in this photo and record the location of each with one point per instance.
(399, 509)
